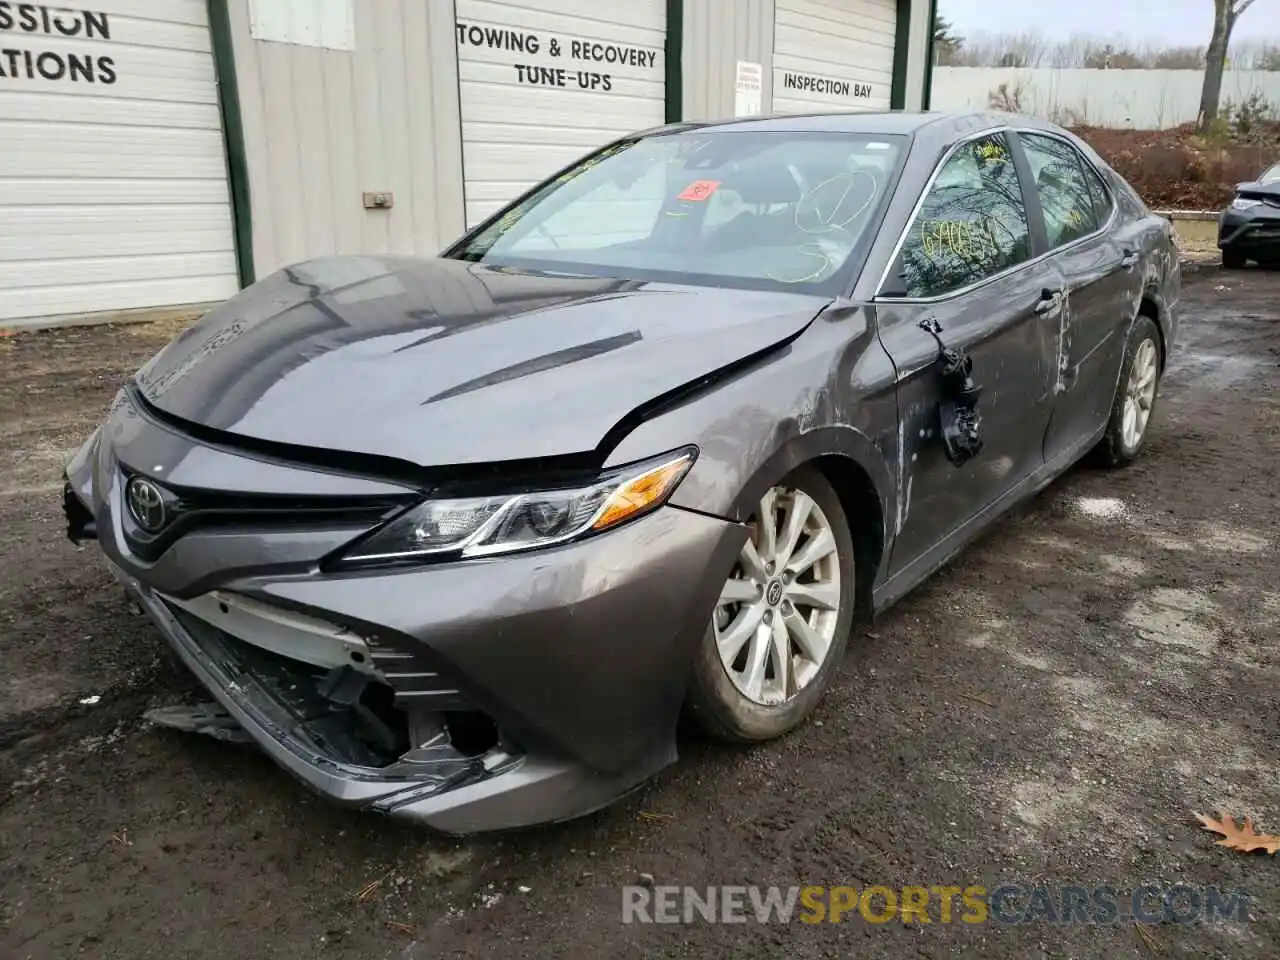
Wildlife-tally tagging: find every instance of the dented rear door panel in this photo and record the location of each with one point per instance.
(1098, 306)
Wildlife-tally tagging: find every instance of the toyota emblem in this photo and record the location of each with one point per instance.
(146, 504)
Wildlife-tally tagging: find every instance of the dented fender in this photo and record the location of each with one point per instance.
(761, 423)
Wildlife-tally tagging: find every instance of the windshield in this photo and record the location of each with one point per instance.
(1270, 176)
(758, 210)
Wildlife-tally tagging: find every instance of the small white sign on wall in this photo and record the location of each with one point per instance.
(748, 86)
(330, 24)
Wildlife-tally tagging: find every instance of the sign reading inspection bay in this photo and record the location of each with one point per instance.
(542, 82)
(833, 55)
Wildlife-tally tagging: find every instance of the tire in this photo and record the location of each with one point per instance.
(1232, 259)
(1118, 447)
(718, 698)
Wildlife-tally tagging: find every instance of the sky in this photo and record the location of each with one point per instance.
(1175, 22)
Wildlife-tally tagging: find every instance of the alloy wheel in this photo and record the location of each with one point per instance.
(1140, 394)
(777, 614)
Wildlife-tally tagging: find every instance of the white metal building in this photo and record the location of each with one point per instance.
(160, 153)
(113, 174)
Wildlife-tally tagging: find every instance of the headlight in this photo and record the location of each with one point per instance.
(1244, 203)
(481, 526)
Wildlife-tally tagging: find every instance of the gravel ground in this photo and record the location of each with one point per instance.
(1048, 709)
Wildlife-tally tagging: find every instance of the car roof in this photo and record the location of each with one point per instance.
(887, 122)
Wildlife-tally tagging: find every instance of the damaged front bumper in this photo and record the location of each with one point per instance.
(469, 696)
(240, 675)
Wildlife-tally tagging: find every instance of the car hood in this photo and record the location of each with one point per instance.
(1271, 189)
(442, 362)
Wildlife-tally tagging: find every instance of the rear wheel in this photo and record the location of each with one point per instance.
(781, 623)
(1135, 396)
(1232, 259)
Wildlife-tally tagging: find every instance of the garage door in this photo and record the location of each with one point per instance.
(544, 81)
(113, 183)
(833, 55)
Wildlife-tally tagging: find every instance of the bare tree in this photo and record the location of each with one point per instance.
(1268, 58)
(1179, 58)
(1225, 15)
(1090, 51)
(946, 43)
(1110, 58)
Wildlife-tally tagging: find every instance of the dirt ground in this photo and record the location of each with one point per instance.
(1048, 709)
(1177, 169)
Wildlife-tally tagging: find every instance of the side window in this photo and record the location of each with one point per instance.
(1102, 200)
(1070, 202)
(972, 223)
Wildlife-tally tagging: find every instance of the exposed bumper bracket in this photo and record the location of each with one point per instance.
(211, 719)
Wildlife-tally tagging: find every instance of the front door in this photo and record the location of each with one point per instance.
(1101, 282)
(963, 271)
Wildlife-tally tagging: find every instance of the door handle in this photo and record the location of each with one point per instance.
(1050, 300)
(1129, 260)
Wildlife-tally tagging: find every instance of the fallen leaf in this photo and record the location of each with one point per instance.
(370, 888)
(647, 815)
(1154, 944)
(1244, 839)
(978, 699)
(407, 929)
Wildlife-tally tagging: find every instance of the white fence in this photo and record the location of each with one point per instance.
(1136, 99)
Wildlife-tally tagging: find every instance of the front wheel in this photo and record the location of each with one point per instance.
(781, 624)
(1135, 397)
(1232, 259)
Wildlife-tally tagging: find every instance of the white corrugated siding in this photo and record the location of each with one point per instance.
(840, 50)
(515, 133)
(113, 193)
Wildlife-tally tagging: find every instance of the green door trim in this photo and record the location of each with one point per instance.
(901, 55)
(673, 51)
(926, 95)
(224, 65)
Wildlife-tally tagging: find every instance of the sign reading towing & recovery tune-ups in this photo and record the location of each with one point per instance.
(541, 87)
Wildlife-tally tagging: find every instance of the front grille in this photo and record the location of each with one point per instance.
(203, 509)
(285, 507)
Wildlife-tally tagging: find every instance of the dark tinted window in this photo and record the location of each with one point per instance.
(1102, 201)
(1070, 202)
(972, 224)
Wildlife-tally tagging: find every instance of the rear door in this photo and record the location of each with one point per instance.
(965, 265)
(1098, 265)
